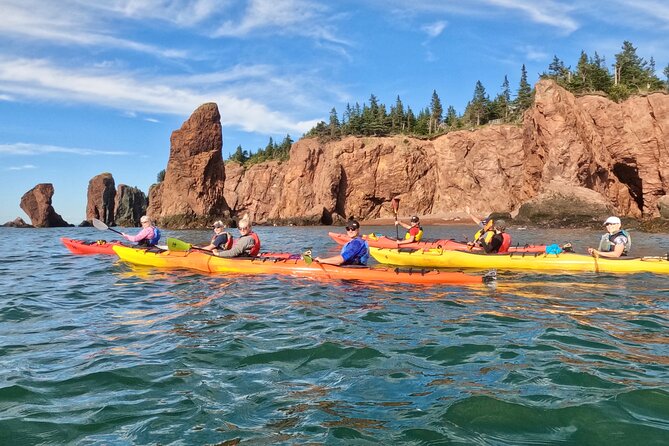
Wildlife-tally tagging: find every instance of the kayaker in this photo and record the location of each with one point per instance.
(414, 233)
(221, 239)
(354, 252)
(500, 241)
(247, 245)
(148, 236)
(615, 243)
(484, 234)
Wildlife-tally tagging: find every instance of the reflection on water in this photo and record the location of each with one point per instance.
(98, 352)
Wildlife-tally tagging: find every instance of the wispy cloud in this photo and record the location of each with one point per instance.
(533, 53)
(291, 17)
(38, 79)
(434, 29)
(57, 24)
(24, 167)
(25, 149)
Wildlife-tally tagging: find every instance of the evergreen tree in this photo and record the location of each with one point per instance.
(240, 155)
(666, 74)
(422, 122)
(523, 99)
(630, 70)
(436, 113)
(334, 123)
(397, 116)
(161, 176)
(451, 117)
(478, 107)
(410, 121)
(558, 71)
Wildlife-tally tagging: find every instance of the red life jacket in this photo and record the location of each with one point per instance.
(506, 243)
(256, 246)
(228, 244)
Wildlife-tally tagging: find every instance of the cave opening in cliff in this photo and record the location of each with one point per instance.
(628, 174)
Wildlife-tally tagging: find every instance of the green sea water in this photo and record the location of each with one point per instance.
(97, 352)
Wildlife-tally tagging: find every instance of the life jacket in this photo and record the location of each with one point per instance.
(506, 243)
(485, 233)
(256, 246)
(607, 244)
(227, 245)
(153, 241)
(418, 236)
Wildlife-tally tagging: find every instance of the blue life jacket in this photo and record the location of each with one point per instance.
(156, 237)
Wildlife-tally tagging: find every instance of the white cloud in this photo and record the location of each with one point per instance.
(24, 167)
(151, 120)
(291, 17)
(25, 149)
(38, 79)
(57, 24)
(434, 29)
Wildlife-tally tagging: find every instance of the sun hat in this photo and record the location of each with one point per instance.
(612, 221)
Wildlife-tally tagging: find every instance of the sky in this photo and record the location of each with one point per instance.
(89, 86)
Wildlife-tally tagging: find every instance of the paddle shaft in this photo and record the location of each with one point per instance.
(396, 206)
(102, 226)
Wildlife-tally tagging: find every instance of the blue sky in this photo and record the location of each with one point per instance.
(98, 86)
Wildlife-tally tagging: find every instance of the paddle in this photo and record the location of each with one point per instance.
(309, 259)
(396, 206)
(103, 227)
(174, 244)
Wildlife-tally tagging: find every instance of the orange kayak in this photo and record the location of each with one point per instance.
(381, 241)
(84, 247)
(297, 267)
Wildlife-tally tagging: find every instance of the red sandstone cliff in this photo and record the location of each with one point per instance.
(614, 156)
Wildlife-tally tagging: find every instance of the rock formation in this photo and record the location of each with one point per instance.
(18, 222)
(101, 198)
(587, 155)
(37, 204)
(130, 205)
(194, 179)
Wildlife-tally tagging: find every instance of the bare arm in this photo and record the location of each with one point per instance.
(334, 260)
(617, 251)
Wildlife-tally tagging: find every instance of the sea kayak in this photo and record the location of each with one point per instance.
(297, 267)
(439, 258)
(84, 247)
(381, 241)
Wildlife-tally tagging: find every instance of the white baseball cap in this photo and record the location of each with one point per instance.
(612, 221)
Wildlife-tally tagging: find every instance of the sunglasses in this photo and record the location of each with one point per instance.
(351, 228)
(609, 224)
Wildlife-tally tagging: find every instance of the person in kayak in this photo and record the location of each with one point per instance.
(484, 234)
(220, 240)
(247, 245)
(148, 236)
(500, 240)
(354, 252)
(615, 243)
(414, 233)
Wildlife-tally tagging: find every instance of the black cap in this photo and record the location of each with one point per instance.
(415, 219)
(353, 224)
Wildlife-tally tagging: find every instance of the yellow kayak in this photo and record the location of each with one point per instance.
(437, 258)
(290, 266)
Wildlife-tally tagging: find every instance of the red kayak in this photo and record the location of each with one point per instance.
(96, 247)
(381, 241)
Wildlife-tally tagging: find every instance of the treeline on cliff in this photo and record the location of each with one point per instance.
(630, 74)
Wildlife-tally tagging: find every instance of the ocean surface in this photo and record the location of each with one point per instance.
(97, 352)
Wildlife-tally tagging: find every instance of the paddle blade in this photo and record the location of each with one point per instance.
(99, 224)
(174, 244)
(307, 257)
(396, 205)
